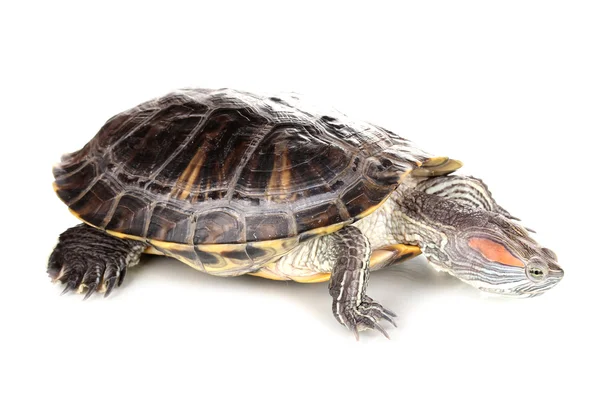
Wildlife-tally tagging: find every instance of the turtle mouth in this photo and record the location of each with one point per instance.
(523, 291)
(509, 293)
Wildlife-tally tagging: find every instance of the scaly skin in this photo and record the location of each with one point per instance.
(88, 258)
(461, 230)
(348, 284)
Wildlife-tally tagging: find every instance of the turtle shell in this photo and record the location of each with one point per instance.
(202, 166)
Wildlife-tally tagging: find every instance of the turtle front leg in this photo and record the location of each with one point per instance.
(348, 283)
(88, 258)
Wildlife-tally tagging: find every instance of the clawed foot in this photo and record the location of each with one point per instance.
(365, 316)
(87, 259)
(85, 274)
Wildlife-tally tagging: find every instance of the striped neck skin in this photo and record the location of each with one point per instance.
(480, 247)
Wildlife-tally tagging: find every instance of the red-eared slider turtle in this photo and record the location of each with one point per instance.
(234, 183)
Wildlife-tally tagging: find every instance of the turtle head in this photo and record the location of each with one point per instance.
(497, 255)
(486, 249)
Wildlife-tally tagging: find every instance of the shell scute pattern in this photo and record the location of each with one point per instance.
(202, 167)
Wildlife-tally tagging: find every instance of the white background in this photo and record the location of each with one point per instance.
(511, 88)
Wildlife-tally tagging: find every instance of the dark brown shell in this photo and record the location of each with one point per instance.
(221, 166)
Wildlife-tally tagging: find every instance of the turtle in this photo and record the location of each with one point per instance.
(232, 183)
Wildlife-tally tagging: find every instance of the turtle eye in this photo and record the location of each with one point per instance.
(536, 273)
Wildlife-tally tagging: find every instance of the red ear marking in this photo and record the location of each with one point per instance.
(494, 252)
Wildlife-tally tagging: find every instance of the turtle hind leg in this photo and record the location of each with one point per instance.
(88, 258)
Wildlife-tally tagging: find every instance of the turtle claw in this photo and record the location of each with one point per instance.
(69, 287)
(389, 313)
(79, 277)
(88, 260)
(366, 316)
(90, 290)
(380, 329)
(384, 311)
(389, 319)
(109, 285)
(70, 278)
(121, 276)
(91, 281)
(356, 334)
